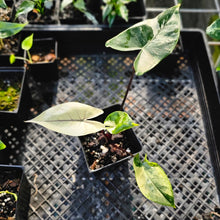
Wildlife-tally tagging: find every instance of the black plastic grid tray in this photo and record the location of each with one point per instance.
(178, 112)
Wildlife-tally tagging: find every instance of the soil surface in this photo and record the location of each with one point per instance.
(7, 201)
(103, 148)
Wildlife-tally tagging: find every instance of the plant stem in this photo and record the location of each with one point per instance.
(1, 43)
(22, 58)
(7, 192)
(29, 56)
(128, 88)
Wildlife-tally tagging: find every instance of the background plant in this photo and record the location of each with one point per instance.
(115, 8)
(38, 6)
(213, 31)
(80, 6)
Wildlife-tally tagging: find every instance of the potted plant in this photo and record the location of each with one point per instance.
(75, 12)
(14, 95)
(14, 191)
(121, 11)
(156, 39)
(37, 11)
(9, 41)
(40, 57)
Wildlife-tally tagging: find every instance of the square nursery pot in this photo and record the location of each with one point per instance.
(13, 179)
(41, 70)
(102, 149)
(14, 95)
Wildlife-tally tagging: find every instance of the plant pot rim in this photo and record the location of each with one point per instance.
(131, 135)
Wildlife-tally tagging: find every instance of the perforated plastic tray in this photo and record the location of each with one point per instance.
(176, 106)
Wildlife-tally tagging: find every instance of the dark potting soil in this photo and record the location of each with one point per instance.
(9, 45)
(7, 201)
(103, 148)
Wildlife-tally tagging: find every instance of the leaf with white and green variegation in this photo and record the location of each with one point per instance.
(2, 145)
(118, 121)
(64, 3)
(71, 118)
(24, 8)
(8, 29)
(213, 30)
(155, 38)
(3, 4)
(153, 182)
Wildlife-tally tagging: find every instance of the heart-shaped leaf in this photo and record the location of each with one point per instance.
(27, 42)
(2, 145)
(118, 121)
(155, 38)
(8, 29)
(70, 118)
(153, 182)
(3, 4)
(213, 30)
(25, 7)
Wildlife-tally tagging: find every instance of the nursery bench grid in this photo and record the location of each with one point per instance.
(172, 132)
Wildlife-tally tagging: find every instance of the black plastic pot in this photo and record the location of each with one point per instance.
(43, 71)
(15, 174)
(16, 75)
(130, 142)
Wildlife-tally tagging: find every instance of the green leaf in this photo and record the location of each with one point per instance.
(25, 7)
(153, 182)
(123, 12)
(8, 29)
(80, 5)
(3, 4)
(71, 118)
(118, 121)
(213, 30)
(64, 3)
(27, 42)
(155, 38)
(12, 58)
(2, 145)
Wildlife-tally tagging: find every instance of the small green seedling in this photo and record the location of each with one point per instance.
(8, 29)
(26, 45)
(80, 6)
(38, 6)
(155, 38)
(115, 8)
(2, 145)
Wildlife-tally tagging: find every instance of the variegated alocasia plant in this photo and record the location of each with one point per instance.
(155, 38)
